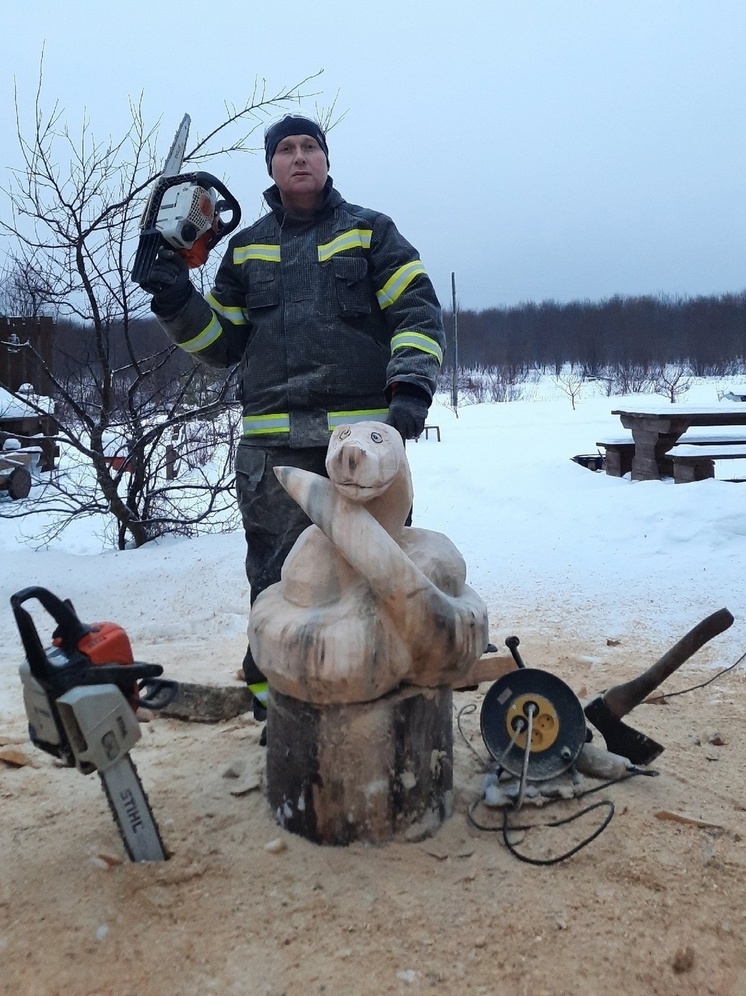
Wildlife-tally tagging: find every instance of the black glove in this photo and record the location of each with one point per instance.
(168, 282)
(408, 410)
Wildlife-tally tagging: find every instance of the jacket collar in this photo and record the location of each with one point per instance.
(332, 199)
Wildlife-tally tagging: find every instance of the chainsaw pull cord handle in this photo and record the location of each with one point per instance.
(70, 629)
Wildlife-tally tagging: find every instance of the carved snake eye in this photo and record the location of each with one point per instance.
(344, 434)
(376, 437)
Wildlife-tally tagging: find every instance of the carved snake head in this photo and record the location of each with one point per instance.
(364, 458)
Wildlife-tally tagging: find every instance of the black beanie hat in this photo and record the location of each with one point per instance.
(291, 124)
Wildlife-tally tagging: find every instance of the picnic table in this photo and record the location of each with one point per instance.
(656, 431)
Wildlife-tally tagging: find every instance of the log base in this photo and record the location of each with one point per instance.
(369, 771)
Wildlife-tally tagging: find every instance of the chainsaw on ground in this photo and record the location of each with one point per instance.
(80, 696)
(184, 212)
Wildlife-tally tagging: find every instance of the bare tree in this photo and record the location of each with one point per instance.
(672, 380)
(23, 291)
(571, 380)
(74, 211)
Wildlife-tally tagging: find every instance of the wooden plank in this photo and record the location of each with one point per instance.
(489, 667)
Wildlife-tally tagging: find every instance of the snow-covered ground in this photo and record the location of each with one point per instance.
(557, 552)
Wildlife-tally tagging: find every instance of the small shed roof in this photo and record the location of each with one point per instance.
(14, 407)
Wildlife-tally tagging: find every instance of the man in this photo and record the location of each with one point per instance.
(333, 319)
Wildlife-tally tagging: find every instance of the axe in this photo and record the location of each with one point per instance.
(605, 712)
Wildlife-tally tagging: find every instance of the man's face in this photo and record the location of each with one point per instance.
(299, 168)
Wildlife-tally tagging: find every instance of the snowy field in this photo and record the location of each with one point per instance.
(558, 553)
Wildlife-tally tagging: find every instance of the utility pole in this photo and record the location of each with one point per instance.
(454, 379)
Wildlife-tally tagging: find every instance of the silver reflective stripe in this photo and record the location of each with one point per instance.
(344, 418)
(417, 340)
(206, 337)
(261, 425)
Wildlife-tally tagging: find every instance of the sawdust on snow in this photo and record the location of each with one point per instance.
(653, 905)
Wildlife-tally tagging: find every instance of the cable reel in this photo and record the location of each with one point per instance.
(535, 700)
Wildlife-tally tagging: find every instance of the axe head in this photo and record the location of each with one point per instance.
(620, 738)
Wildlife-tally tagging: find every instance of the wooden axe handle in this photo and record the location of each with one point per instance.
(622, 699)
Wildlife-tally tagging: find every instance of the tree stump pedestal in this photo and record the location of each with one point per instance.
(367, 771)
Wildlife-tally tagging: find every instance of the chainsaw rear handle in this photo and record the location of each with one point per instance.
(228, 203)
(70, 629)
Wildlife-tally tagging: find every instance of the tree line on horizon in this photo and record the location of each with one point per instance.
(706, 333)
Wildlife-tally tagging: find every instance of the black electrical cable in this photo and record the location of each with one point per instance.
(506, 828)
(466, 710)
(692, 688)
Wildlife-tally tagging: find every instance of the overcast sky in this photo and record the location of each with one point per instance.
(563, 149)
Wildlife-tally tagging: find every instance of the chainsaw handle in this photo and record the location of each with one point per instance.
(229, 203)
(157, 693)
(69, 628)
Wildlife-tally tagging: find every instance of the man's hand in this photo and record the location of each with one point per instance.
(408, 410)
(168, 282)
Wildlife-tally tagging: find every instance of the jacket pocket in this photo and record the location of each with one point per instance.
(264, 287)
(250, 465)
(353, 286)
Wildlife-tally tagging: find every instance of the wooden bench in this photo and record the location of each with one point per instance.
(620, 450)
(619, 453)
(696, 462)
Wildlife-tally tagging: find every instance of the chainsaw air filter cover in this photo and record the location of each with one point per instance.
(558, 727)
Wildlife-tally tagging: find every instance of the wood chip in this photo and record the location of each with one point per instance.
(465, 852)
(107, 859)
(438, 855)
(691, 821)
(275, 846)
(249, 783)
(14, 757)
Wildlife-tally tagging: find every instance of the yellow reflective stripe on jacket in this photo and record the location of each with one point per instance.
(264, 425)
(356, 238)
(257, 250)
(206, 337)
(417, 340)
(236, 316)
(395, 286)
(362, 415)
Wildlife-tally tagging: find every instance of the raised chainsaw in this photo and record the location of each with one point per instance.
(184, 212)
(80, 696)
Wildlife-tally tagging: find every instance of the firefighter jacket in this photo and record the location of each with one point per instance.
(323, 315)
